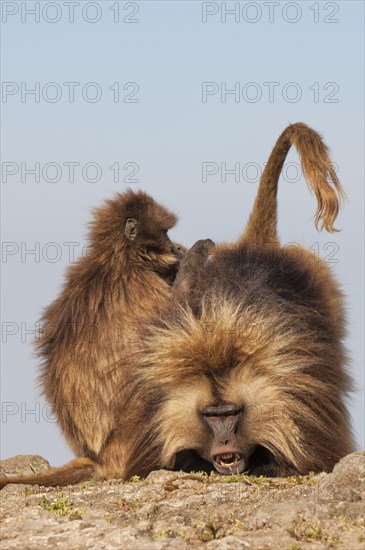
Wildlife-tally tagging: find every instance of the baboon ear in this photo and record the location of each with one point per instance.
(131, 229)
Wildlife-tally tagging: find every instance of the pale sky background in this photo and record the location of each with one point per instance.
(313, 51)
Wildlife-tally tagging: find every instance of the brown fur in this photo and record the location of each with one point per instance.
(80, 469)
(267, 338)
(262, 330)
(125, 279)
(251, 327)
(318, 171)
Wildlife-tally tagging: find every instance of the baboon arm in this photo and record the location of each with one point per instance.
(80, 469)
(317, 170)
(192, 269)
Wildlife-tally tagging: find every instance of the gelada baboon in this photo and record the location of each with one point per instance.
(250, 362)
(125, 278)
(244, 371)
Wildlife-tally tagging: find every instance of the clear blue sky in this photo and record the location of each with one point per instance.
(298, 61)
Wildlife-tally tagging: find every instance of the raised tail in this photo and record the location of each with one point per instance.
(317, 170)
(80, 469)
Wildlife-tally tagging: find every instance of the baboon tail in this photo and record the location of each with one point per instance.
(317, 170)
(80, 469)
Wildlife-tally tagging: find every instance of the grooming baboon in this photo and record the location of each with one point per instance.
(125, 278)
(244, 371)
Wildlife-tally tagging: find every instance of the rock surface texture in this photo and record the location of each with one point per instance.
(175, 510)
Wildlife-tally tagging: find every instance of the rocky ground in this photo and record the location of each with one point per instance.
(171, 510)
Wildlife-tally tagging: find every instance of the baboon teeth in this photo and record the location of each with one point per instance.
(227, 456)
(227, 459)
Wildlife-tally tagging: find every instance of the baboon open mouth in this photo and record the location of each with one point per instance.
(229, 463)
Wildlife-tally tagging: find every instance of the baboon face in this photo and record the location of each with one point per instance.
(225, 451)
(132, 228)
(149, 235)
(203, 430)
(217, 441)
(155, 247)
